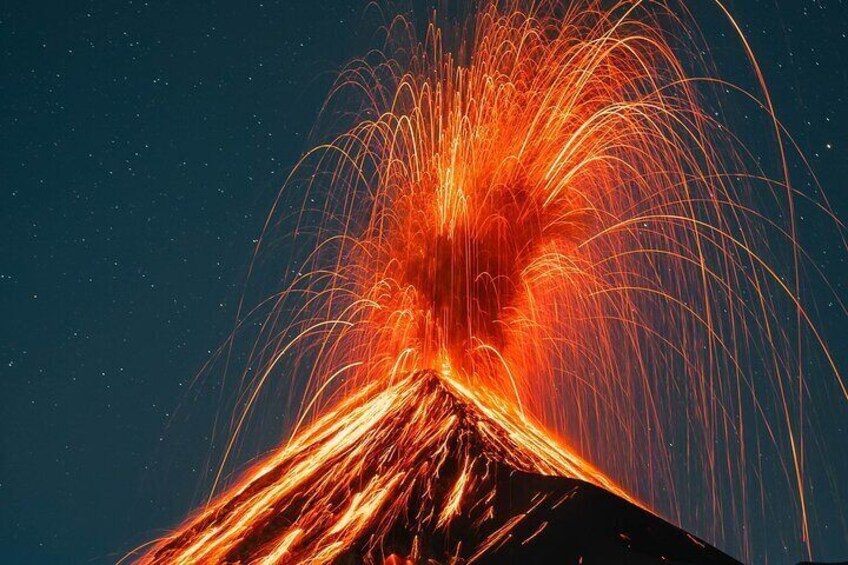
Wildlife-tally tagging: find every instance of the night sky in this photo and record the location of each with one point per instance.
(142, 146)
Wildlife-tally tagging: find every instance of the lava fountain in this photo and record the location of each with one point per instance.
(537, 210)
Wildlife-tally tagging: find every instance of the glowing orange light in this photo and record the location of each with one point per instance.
(549, 218)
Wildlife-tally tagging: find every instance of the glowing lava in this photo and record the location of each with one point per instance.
(416, 456)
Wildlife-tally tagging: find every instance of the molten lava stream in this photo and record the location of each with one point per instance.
(422, 452)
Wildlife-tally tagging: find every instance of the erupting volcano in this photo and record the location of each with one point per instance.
(535, 247)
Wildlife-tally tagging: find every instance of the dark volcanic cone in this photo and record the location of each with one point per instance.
(425, 471)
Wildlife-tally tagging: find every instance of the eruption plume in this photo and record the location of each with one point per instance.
(539, 211)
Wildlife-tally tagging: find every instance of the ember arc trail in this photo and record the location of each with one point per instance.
(537, 250)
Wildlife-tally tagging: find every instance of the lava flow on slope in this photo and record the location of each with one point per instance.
(425, 471)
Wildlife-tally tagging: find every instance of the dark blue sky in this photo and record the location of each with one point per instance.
(142, 145)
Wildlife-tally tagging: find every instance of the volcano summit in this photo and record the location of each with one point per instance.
(426, 472)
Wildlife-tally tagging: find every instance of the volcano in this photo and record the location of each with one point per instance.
(425, 471)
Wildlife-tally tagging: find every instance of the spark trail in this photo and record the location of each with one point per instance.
(539, 209)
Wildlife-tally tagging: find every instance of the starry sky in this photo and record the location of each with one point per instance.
(142, 145)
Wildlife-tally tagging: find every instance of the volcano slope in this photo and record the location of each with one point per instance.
(426, 471)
